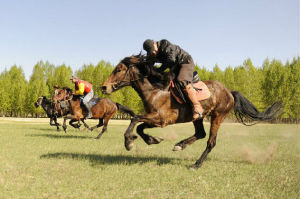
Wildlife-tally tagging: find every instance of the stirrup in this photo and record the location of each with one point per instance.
(90, 115)
(199, 115)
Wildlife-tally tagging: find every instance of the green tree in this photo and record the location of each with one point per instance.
(229, 78)
(203, 73)
(37, 87)
(274, 86)
(15, 89)
(4, 95)
(293, 86)
(217, 74)
(62, 75)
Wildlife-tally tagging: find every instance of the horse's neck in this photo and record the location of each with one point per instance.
(47, 106)
(145, 90)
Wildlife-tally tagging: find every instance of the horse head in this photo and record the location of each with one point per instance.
(131, 70)
(62, 94)
(40, 101)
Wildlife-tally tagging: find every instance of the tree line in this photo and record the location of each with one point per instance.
(262, 85)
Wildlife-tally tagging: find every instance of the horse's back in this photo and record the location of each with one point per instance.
(221, 96)
(104, 106)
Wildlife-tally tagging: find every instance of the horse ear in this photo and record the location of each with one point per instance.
(70, 91)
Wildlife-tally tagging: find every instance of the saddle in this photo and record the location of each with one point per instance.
(92, 102)
(202, 91)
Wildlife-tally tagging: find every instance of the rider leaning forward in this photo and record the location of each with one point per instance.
(173, 57)
(85, 89)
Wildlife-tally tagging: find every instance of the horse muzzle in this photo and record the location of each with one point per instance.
(108, 89)
(103, 89)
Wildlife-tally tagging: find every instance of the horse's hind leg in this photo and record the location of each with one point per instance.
(104, 126)
(216, 121)
(147, 138)
(98, 125)
(199, 134)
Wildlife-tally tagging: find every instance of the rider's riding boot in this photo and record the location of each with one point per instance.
(89, 107)
(198, 110)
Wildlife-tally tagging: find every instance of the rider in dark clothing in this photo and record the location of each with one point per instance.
(173, 57)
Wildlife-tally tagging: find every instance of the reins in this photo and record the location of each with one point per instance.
(127, 83)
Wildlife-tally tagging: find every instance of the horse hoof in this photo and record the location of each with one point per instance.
(158, 139)
(129, 146)
(98, 137)
(177, 148)
(193, 167)
(134, 137)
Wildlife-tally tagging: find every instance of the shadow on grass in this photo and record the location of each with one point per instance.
(55, 129)
(57, 136)
(98, 159)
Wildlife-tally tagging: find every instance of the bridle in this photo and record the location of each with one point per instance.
(123, 83)
(65, 98)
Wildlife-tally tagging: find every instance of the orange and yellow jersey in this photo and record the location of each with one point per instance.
(83, 87)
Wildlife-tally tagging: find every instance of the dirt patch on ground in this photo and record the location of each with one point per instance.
(258, 155)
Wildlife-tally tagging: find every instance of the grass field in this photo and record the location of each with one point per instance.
(260, 161)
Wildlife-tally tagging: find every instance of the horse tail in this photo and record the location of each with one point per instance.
(125, 109)
(243, 108)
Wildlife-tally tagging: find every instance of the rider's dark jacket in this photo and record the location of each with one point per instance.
(173, 57)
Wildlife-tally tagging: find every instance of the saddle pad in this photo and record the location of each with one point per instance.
(202, 91)
(94, 101)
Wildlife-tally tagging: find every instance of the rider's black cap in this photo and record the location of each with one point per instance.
(148, 45)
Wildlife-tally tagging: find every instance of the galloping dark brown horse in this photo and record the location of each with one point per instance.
(104, 109)
(163, 110)
(48, 107)
(53, 111)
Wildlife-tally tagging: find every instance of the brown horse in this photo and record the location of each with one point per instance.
(104, 109)
(162, 110)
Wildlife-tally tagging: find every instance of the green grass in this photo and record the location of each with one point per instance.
(260, 161)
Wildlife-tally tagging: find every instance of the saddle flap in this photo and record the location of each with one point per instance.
(63, 104)
(94, 101)
(202, 91)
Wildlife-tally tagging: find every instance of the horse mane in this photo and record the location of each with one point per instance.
(67, 89)
(147, 70)
(45, 99)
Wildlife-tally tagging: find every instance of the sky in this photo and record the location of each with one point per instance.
(78, 32)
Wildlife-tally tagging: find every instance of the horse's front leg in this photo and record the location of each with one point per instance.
(76, 126)
(129, 136)
(53, 119)
(56, 123)
(64, 124)
(147, 138)
(150, 121)
(85, 124)
(65, 120)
